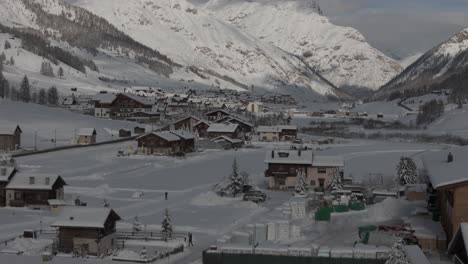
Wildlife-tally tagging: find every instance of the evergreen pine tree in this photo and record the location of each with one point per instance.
(25, 90)
(336, 182)
(2, 57)
(233, 185)
(60, 73)
(42, 97)
(136, 226)
(12, 61)
(397, 254)
(166, 225)
(2, 82)
(7, 45)
(52, 96)
(406, 171)
(301, 183)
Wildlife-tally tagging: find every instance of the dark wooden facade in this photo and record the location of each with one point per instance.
(125, 133)
(123, 106)
(10, 141)
(20, 197)
(215, 115)
(154, 143)
(288, 134)
(237, 134)
(202, 129)
(187, 123)
(139, 130)
(453, 203)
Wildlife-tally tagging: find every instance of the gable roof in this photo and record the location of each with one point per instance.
(84, 217)
(289, 157)
(104, 98)
(228, 139)
(21, 181)
(223, 128)
(218, 110)
(9, 130)
(183, 134)
(441, 173)
(86, 132)
(187, 117)
(327, 161)
(9, 172)
(166, 135)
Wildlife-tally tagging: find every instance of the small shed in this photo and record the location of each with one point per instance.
(88, 231)
(139, 130)
(125, 133)
(230, 142)
(86, 136)
(10, 138)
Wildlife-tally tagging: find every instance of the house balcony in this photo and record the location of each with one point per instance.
(271, 173)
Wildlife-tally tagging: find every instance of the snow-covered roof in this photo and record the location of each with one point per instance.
(84, 217)
(183, 134)
(442, 173)
(224, 128)
(228, 139)
(187, 117)
(56, 202)
(268, 129)
(284, 127)
(289, 157)
(163, 134)
(8, 130)
(86, 132)
(104, 98)
(218, 110)
(327, 161)
(139, 99)
(23, 181)
(415, 255)
(6, 172)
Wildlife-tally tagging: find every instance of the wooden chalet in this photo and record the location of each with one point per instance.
(447, 175)
(86, 231)
(86, 136)
(201, 128)
(145, 117)
(245, 126)
(125, 133)
(10, 138)
(187, 123)
(34, 190)
(229, 130)
(216, 115)
(166, 142)
(277, 133)
(228, 142)
(7, 171)
(120, 106)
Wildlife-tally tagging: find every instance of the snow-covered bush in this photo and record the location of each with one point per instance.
(233, 185)
(397, 255)
(166, 226)
(301, 183)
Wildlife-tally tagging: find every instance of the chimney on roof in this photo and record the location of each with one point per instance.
(272, 154)
(299, 152)
(450, 157)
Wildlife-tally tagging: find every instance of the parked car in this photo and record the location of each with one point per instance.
(255, 196)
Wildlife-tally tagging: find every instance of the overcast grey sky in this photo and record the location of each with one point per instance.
(400, 27)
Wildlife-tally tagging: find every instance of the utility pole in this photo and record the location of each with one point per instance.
(55, 137)
(35, 140)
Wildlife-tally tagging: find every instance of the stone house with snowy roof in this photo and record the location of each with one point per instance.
(86, 136)
(86, 231)
(449, 181)
(34, 190)
(277, 133)
(285, 165)
(166, 142)
(10, 138)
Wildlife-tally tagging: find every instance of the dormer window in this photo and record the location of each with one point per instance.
(31, 180)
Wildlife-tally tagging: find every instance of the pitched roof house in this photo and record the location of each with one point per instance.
(10, 138)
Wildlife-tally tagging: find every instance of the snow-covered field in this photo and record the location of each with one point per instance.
(135, 186)
(51, 121)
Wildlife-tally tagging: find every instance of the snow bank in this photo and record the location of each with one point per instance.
(389, 209)
(27, 246)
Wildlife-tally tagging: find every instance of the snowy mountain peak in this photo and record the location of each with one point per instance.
(340, 54)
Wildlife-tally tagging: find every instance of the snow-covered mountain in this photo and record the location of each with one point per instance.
(216, 52)
(447, 61)
(340, 54)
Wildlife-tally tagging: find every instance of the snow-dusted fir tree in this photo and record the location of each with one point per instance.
(233, 185)
(407, 172)
(25, 90)
(397, 254)
(336, 183)
(166, 226)
(136, 225)
(301, 183)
